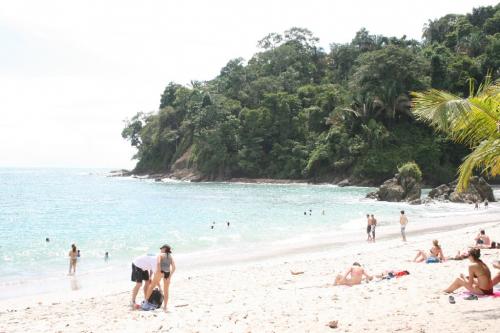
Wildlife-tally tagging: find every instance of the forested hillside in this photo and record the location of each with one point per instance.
(295, 110)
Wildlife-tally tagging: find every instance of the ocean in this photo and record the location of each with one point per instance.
(128, 217)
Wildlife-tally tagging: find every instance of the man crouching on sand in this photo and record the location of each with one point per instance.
(356, 272)
(141, 267)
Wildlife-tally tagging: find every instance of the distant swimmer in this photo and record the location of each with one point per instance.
(212, 227)
(310, 212)
(305, 213)
(47, 239)
(106, 256)
(486, 203)
(228, 224)
(78, 254)
(73, 253)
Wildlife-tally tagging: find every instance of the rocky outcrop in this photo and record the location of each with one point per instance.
(119, 173)
(478, 190)
(343, 183)
(398, 189)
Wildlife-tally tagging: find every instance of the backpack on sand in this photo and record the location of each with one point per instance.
(156, 298)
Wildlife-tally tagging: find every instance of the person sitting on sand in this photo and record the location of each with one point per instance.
(356, 273)
(479, 279)
(435, 254)
(73, 256)
(483, 241)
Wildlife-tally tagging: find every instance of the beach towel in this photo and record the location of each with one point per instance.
(468, 293)
(432, 260)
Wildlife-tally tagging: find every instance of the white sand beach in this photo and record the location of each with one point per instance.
(263, 296)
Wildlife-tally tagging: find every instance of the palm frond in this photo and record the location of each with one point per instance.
(485, 157)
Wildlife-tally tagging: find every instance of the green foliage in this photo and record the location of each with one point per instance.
(410, 169)
(294, 110)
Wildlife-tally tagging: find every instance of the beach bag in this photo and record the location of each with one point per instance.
(146, 306)
(156, 298)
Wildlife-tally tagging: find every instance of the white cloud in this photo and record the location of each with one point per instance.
(71, 71)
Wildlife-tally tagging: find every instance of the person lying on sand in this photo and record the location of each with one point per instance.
(479, 279)
(356, 273)
(435, 254)
(386, 275)
(459, 256)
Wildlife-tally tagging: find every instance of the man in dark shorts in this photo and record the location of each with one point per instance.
(140, 273)
(373, 225)
(368, 227)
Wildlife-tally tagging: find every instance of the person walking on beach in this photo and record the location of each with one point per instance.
(403, 221)
(73, 256)
(374, 224)
(368, 227)
(485, 203)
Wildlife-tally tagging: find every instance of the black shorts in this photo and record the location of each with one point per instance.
(166, 275)
(139, 275)
(368, 229)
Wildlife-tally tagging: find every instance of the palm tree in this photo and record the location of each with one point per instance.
(472, 121)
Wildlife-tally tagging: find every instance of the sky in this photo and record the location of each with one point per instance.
(71, 72)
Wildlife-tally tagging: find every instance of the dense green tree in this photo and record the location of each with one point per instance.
(295, 111)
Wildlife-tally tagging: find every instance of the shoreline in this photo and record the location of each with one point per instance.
(252, 253)
(240, 289)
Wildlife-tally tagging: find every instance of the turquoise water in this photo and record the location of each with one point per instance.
(128, 217)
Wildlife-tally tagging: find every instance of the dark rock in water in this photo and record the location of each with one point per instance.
(391, 190)
(119, 173)
(483, 188)
(398, 189)
(442, 192)
(372, 195)
(415, 202)
(478, 190)
(344, 182)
